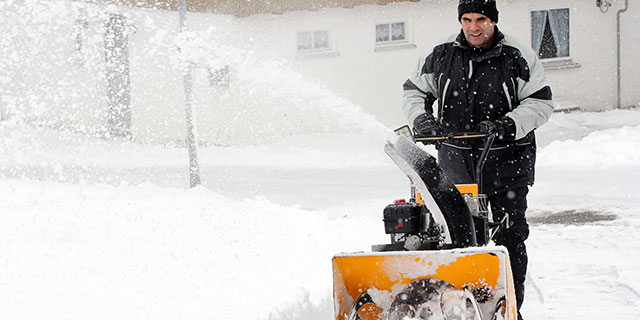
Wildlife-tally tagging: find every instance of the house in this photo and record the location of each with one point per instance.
(114, 68)
(361, 59)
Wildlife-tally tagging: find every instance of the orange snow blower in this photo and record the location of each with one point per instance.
(437, 265)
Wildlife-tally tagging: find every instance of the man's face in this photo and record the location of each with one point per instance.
(478, 29)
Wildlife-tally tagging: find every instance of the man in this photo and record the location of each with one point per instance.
(483, 80)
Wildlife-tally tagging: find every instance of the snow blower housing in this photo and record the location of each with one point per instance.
(434, 267)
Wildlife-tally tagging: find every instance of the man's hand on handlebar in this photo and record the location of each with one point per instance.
(504, 128)
(426, 125)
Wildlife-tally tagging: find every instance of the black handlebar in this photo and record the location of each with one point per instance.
(461, 135)
(488, 142)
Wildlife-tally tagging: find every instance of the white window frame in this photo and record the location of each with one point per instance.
(406, 43)
(563, 62)
(329, 50)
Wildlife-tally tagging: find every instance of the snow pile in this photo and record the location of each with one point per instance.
(577, 125)
(99, 252)
(611, 147)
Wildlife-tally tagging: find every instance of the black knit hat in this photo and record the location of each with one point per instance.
(486, 7)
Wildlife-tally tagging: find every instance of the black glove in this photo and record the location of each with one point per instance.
(426, 125)
(504, 128)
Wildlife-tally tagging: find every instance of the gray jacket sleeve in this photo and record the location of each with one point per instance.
(421, 89)
(420, 92)
(536, 104)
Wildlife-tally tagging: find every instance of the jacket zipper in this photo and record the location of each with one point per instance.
(444, 95)
(515, 92)
(506, 93)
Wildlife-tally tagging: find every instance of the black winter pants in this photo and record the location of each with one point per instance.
(514, 204)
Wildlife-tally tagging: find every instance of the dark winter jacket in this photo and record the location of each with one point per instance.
(471, 85)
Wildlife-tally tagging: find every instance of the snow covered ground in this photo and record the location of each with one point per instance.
(94, 229)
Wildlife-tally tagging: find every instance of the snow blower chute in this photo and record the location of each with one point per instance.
(437, 265)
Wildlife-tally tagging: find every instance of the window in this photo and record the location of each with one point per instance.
(313, 41)
(391, 32)
(393, 35)
(550, 33)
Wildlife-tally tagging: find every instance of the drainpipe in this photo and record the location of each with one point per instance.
(626, 6)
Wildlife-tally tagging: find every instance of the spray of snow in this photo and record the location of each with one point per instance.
(59, 81)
